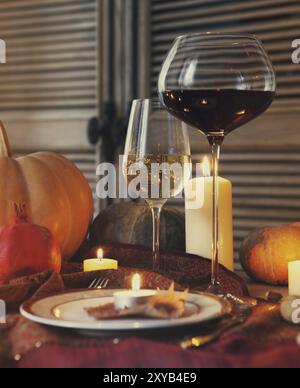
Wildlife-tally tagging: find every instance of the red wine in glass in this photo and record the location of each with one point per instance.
(217, 111)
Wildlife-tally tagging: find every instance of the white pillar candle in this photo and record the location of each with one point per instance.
(199, 219)
(294, 278)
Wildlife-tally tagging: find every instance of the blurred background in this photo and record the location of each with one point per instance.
(74, 66)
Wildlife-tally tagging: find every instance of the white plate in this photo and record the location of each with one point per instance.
(66, 310)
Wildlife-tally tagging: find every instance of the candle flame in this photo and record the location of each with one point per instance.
(136, 282)
(100, 254)
(206, 167)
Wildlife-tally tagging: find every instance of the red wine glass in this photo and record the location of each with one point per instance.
(217, 83)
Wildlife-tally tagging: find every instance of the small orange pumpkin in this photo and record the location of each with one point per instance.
(55, 193)
(266, 253)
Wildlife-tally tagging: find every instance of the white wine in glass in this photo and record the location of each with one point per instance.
(165, 175)
(157, 160)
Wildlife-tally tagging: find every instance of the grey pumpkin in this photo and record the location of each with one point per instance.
(131, 223)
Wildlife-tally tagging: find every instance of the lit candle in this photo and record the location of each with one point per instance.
(199, 219)
(294, 278)
(133, 297)
(99, 264)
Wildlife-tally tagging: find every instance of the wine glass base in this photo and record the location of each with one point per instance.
(216, 289)
(241, 302)
(235, 301)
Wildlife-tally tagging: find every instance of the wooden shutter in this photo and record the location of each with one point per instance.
(261, 159)
(51, 58)
(275, 22)
(48, 87)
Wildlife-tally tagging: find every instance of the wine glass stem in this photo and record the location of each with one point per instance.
(216, 149)
(156, 213)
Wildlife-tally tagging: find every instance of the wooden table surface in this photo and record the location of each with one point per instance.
(259, 290)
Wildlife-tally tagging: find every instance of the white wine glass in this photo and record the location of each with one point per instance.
(157, 160)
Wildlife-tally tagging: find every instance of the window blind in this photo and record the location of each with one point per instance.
(275, 22)
(48, 86)
(262, 159)
(51, 57)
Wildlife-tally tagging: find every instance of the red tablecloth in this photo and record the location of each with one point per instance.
(233, 352)
(264, 341)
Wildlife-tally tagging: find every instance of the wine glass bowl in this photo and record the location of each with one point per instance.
(217, 83)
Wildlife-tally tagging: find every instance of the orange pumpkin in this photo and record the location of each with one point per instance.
(54, 191)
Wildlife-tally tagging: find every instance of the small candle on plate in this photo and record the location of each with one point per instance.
(133, 297)
(294, 278)
(99, 264)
